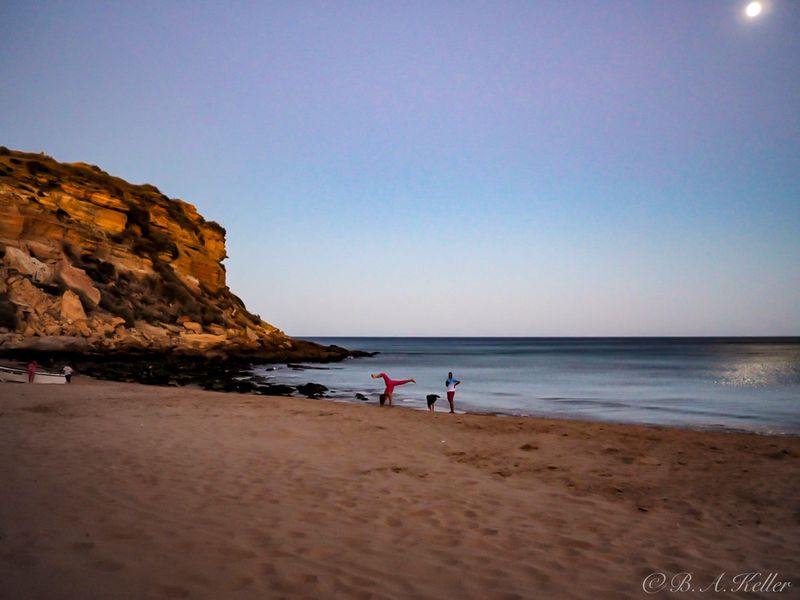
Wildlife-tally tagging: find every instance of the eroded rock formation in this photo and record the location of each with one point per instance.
(92, 263)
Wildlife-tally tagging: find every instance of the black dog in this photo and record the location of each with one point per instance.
(432, 398)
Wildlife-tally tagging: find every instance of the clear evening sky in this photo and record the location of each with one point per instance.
(447, 168)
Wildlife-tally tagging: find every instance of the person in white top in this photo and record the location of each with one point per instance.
(451, 384)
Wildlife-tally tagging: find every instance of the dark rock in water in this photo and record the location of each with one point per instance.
(218, 375)
(215, 385)
(312, 390)
(362, 397)
(243, 386)
(351, 353)
(277, 389)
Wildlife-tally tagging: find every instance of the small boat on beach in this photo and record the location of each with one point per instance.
(14, 375)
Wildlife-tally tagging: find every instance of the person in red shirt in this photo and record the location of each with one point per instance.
(32, 370)
(390, 385)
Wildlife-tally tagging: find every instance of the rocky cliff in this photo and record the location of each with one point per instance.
(92, 263)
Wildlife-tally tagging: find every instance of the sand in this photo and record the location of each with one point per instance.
(119, 491)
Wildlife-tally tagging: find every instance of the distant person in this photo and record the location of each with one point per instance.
(451, 384)
(432, 398)
(32, 366)
(67, 372)
(390, 385)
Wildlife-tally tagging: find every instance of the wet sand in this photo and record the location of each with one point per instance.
(123, 491)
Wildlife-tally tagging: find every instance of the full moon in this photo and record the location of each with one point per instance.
(753, 9)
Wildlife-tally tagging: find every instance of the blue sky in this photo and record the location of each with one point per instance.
(447, 168)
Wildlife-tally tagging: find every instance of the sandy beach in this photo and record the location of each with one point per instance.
(124, 491)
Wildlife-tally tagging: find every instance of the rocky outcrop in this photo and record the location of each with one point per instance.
(92, 263)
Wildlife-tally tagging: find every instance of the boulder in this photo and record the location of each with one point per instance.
(24, 263)
(78, 281)
(312, 390)
(25, 294)
(71, 307)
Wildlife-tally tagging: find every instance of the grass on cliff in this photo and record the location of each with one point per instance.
(99, 270)
(156, 299)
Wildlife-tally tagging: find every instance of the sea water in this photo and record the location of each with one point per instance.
(723, 383)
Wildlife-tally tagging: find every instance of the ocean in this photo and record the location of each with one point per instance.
(750, 384)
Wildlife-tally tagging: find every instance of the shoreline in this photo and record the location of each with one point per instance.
(734, 383)
(241, 370)
(502, 415)
(127, 490)
(629, 388)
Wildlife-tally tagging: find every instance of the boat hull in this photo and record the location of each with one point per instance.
(9, 375)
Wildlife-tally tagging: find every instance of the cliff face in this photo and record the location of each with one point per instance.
(91, 263)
